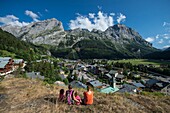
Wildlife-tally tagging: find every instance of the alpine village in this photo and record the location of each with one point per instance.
(125, 72)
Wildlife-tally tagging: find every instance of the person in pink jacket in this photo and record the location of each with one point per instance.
(78, 98)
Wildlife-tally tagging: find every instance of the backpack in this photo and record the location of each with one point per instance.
(69, 96)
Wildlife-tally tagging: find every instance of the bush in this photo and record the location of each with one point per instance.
(66, 81)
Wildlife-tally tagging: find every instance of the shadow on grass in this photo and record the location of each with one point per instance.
(51, 98)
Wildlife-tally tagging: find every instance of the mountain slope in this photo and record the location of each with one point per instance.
(11, 46)
(19, 95)
(165, 54)
(118, 41)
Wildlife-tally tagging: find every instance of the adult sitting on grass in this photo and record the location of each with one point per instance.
(70, 96)
(88, 96)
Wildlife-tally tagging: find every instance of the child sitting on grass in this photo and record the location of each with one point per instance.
(78, 98)
(61, 97)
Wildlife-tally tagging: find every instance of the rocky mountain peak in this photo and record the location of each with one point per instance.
(96, 31)
(41, 32)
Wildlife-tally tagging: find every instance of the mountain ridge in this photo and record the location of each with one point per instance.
(116, 41)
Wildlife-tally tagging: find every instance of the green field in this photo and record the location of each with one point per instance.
(144, 61)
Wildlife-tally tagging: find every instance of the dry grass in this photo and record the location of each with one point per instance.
(32, 96)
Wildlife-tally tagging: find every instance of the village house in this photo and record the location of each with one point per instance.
(120, 78)
(102, 87)
(107, 76)
(85, 76)
(95, 84)
(19, 63)
(149, 83)
(113, 73)
(140, 87)
(162, 87)
(127, 88)
(103, 70)
(107, 89)
(6, 65)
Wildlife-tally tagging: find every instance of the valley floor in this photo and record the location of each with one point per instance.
(20, 95)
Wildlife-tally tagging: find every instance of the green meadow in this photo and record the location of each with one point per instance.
(144, 61)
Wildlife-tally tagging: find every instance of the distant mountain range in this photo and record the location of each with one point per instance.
(118, 41)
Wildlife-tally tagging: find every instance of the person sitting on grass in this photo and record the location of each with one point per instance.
(61, 97)
(88, 96)
(70, 96)
(78, 98)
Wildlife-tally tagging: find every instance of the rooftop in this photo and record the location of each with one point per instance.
(5, 58)
(3, 63)
(108, 90)
(112, 72)
(108, 75)
(78, 84)
(127, 88)
(139, 85)
(17, 61)
(120, 76)
(96, 83)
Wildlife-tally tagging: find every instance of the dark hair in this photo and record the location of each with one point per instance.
(76, 93)
(88, 88)
(61, 91)
(69, 87)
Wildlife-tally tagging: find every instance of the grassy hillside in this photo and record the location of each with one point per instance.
(19, 95)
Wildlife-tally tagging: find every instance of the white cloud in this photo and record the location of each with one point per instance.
(157, 36)
(32, 15)
(121, 18)
(166, 24)
(112, 14)
(161, 41)
(166, 46)
(150, 39)
(8, 18)
(12, 20)
(91, 15)
(166, 36)
(100, 21)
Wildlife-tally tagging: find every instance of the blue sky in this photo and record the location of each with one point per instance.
(151, 18)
